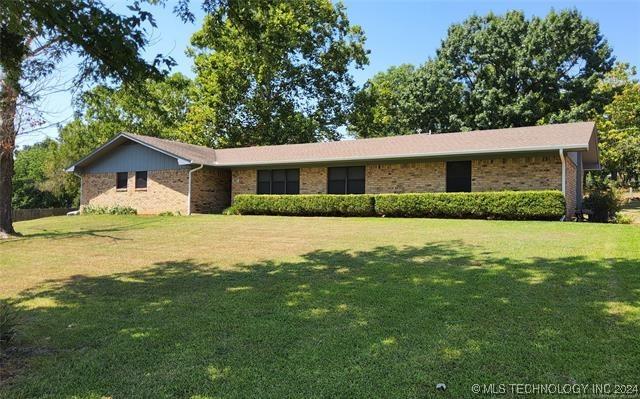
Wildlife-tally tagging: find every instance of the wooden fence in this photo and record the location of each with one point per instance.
(28, 214)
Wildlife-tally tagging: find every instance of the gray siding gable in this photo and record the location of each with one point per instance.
(131, 157)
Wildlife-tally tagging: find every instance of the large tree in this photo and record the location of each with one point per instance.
(276, 73)
(153, 108)
(382, 107)
(29, 178)
(35, 35)
(505, 71)
(619, 128)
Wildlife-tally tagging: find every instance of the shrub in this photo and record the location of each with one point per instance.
(543, 205)
(8, 323)
(623, 219)
(169, 213)
(509, 205)
(108, 210)
(604, 204)
(304, 205)
(232, 210)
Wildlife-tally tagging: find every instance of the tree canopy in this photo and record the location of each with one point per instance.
(35, 35)
(277, 73)
(497, 71)
(619, 128)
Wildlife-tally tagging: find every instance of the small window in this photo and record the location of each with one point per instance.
(279, 181)
(346, 180)
(459, 176)
(141, 180)
(121, 180)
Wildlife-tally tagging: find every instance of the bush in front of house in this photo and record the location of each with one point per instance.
(604, 203)
(511, 205)
(507, 205)
(108, 210)
(303, 205)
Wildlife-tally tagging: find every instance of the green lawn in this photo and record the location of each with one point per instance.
(632, 210)
(226, 306)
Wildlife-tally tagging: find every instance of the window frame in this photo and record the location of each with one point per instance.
(287, 182)
(146, 180)
(347, 179)
(126, 181)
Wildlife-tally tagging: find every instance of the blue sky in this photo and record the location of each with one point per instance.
(397, 32)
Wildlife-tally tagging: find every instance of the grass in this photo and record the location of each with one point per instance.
(226, 306)
(632, 210)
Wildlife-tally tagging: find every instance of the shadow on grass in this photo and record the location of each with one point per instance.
(64, 234)
(390, 322)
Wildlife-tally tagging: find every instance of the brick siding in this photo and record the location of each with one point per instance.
(416, 177)
(210, 190)
(570, 188)
(313, 180)
(166, 191)
(517, 173)
(243, 181)
(540, 172)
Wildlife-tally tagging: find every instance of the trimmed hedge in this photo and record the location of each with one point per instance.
(508, 205)
(108, 210)
(304, 205)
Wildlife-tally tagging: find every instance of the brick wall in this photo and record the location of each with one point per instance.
(166, 191)
(210, 190)
(570, 188)
(313, 180)
(243, 181)
(405, 177)
(517, 173)
(540, 172)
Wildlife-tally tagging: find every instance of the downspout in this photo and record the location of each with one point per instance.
(564, 178)
(564, 172)
(189, 193)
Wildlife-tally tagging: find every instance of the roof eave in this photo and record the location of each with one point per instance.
(73, 167)
(573, 147)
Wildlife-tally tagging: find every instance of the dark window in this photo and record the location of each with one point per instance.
(121, 180)
(458, 176)
(279, 181)
(346, 180)
(141, 180)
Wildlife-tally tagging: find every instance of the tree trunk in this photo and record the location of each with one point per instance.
(8, 100)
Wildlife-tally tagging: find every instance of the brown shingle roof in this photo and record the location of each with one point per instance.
(570, 136)
(577, 136)
(194, 153)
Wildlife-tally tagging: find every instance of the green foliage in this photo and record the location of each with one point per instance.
(108, 210)
(9, 322)
(29, 190)
(276, 72)
(382, 107)
(623, 219)
(169, 213)
(510, 205)
(619, 128)
(153, 108)
(35, 36)
(495, 72)
(304, 205)
(604, 204)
